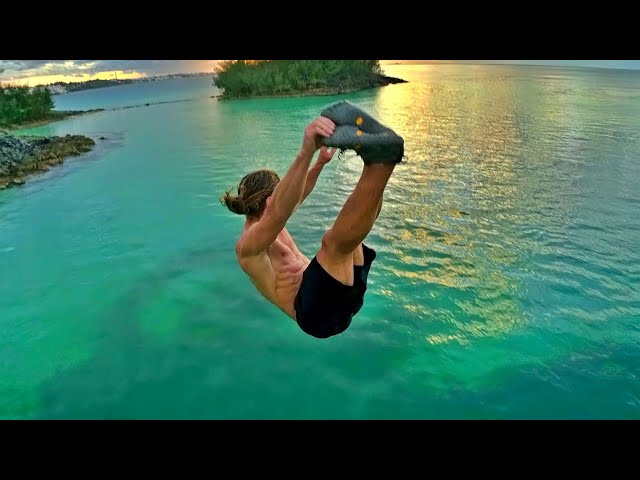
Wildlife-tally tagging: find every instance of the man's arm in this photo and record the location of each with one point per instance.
(314, 172)
(288, 193)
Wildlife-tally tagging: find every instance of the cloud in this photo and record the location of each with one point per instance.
(21, 65)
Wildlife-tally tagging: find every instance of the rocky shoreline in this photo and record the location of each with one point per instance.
(23, 156)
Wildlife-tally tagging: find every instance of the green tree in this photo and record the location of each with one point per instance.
(19, 104)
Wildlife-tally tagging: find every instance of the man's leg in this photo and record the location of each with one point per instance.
(358, 253)
(354, 223)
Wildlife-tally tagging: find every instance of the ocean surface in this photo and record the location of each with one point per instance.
(507, 282)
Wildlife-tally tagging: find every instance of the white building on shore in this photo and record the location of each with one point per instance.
(56, 89)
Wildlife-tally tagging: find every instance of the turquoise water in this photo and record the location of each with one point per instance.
(507, 283)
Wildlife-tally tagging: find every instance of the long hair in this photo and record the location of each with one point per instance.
(253, 191)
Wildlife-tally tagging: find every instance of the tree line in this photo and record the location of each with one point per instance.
(245, 78)
(20, 104)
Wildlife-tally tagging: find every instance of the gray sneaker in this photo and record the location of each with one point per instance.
(357, 130)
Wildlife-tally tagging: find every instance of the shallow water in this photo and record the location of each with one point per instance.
(506, 283)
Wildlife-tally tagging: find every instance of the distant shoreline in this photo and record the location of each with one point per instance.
(60, 88)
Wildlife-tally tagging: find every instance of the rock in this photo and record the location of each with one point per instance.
(103, 138)
(23, 155)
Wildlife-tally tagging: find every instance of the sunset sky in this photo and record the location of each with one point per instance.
(36, 72)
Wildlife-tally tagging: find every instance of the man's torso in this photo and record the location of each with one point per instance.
(277, 272)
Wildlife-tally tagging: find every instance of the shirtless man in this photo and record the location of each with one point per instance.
(322, 295)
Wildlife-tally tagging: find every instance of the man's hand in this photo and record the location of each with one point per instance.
(320, 127)
(325, 155)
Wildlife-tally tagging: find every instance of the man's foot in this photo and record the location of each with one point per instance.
(346, 113)
(357, 130)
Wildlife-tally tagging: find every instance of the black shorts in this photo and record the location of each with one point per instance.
(324, 306)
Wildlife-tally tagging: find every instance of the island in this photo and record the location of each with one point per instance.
(22, 156)
(275, 78)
